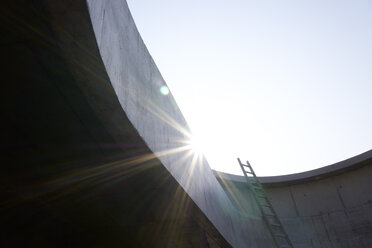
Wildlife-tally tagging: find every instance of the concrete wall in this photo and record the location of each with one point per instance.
(93, 154)
(327, 207)
(74, 170)
(136, 81)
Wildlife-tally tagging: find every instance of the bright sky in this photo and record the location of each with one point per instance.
(286, 85)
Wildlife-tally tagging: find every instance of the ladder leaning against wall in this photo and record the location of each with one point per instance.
(271, 219)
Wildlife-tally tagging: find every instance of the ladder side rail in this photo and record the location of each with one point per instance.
(250, 167)
(247, 166)
(274, 213)
(259, 206)
(244, 172)
(265, 217)
(280, 223)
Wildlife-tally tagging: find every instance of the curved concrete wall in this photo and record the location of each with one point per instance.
(92, 149)
(93, 154)
(327, 207)
(75, 171)
(159, 122)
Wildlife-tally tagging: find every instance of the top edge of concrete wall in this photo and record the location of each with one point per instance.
(159, 122)
(307, 176)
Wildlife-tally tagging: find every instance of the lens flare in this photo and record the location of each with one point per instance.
(164, 90)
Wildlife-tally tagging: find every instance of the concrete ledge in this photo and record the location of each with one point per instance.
(307, 176)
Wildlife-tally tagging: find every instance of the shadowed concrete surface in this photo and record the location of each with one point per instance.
(75, 171)
(93, 155)
(326, 207)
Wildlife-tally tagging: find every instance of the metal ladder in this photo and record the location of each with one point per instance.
(271, 219)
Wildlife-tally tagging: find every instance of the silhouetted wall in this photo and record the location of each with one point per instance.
(75, 171)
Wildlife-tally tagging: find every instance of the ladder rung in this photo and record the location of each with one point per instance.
(267, 206)
(270, 215)
(280, 235)
(259, 191)
(272, 220)
(269, 212)
(262, 196)
(263, 200)
(277, 225)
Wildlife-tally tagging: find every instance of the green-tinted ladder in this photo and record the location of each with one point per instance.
(271, 219)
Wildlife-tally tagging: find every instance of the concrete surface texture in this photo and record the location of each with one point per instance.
(94, 154)
(75, 170)
(326, 207)
(159, 122)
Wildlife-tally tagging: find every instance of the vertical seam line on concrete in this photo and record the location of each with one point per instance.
(326, 230)
(294, 202)
(340, 197)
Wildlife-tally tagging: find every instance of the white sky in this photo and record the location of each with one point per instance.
(286, 85)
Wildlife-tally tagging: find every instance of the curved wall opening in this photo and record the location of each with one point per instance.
(282, 84)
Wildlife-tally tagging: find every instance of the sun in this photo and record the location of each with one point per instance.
(196, 145)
